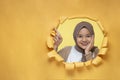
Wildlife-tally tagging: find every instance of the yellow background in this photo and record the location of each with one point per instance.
(66, 29)
(26, 24)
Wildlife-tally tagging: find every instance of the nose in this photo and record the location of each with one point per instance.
(84, 39)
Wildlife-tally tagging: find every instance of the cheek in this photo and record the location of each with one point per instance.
(89, 39)
(79, 41)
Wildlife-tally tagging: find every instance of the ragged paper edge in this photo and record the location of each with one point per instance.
(72, 66)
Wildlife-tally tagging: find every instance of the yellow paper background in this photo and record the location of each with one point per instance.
(66, 29)
(25, 25)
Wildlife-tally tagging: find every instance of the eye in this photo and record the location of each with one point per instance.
(88, 36)
(79, 36)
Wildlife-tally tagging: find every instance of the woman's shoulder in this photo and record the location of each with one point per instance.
(66, 48)
(64, 52)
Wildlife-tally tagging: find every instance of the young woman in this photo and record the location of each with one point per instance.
(84, 49)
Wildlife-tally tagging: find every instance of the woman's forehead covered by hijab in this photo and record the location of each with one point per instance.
(81, 25)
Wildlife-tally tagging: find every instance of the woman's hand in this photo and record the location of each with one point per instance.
(90, 46)
(57, 39)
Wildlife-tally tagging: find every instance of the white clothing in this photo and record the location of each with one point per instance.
(74, 56)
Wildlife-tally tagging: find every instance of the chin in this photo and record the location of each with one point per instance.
(84, 47)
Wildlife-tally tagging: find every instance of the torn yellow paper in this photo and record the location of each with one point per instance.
(69, 66)
(103, 51)
(79, 64)
(101, 27)
(58, 58)
(62, 19)
(97, 60)
(88, 63)
(50, 42)
(105, 42)
(53, 33)
(52, 54)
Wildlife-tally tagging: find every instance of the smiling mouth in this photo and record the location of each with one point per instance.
(84, 44)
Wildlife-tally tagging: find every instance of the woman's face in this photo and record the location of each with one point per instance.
(84, 38)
